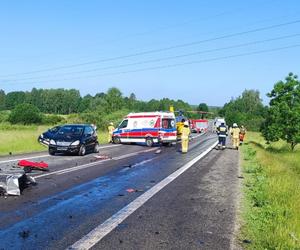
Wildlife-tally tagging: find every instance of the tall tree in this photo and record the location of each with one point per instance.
(283, 115)
(2, 100)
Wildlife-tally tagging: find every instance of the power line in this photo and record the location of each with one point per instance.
(175, 65)
(158, 50)
(161, 59)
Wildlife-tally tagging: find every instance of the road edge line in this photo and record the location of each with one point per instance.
(98, 233)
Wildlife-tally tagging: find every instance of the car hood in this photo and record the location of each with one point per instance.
(67, 138)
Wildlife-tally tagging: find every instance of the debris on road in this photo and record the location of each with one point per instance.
(102, 157)
(158, 151)
(130, 190)
(32, 165)
(14, 180)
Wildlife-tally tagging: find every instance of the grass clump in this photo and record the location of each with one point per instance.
(271, 205)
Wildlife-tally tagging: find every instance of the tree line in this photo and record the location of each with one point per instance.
(31, 106)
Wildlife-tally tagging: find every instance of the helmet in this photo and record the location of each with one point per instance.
(234, 125)
(186, 123)
(111, 124)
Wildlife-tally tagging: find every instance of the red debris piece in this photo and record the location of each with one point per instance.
(33, 165)
(130, 190)
(102, 157)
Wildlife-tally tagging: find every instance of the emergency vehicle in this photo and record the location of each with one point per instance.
(147, 127)
(199, 125)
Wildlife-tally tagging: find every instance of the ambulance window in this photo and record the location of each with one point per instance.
(168, 123)
(123, 124)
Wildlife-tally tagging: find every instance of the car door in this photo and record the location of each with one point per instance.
(89, 137)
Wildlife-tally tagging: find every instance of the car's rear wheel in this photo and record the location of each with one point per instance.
(96, 148)
(82, 150)
(149, 142)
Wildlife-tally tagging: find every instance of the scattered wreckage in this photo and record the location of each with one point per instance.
(14, 178)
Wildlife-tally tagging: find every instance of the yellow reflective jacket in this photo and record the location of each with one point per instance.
(235, 132)
(111, 129)
(185, 133)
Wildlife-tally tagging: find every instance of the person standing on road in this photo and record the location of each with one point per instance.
(222, 133)
(185, 137)
(242, 134)
(235, 133)
(110, 129)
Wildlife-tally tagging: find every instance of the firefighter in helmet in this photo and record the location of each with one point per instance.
(185, 137)
(110, 129)
(222, 134)
(235, 133)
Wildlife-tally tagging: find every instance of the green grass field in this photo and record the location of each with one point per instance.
(271, 204)
(23, 139)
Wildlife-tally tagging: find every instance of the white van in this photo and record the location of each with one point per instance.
(147, 127)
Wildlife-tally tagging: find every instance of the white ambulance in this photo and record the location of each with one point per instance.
(147, 127)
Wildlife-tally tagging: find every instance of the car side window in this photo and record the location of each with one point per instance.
(88, 131)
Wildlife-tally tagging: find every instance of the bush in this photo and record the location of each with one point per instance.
(25, 114)
(4, 115)
(52, 119)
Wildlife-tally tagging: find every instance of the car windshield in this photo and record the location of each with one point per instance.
(71, 130)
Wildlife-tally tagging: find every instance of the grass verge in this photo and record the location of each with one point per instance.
(271, 203)
(19, 139)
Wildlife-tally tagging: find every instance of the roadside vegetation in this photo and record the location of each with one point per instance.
(25, 115)
(271, 203)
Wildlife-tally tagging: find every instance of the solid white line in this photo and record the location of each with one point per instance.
(44, 156)
(97, 234)
(68, 170)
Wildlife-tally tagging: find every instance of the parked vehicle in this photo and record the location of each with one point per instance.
(199, 125)
(147, 127)
(74, 138)
(45, 137)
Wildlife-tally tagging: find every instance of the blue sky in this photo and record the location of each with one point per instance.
(195, 50)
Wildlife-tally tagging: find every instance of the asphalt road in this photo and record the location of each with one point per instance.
(138, 198)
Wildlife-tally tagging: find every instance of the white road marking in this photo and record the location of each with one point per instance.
(68, 170)
(47, 155)
(97, 234)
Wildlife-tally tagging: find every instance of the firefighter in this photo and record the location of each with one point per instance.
(235, 133)
(180, 126)
(110, 129)
(242, 134)
(185, 137)
(222, 133)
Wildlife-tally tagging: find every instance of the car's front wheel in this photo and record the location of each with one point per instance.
(116, 140)
(51, 151)
(82, 150)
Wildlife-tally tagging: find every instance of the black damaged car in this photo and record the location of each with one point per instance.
(76, 139)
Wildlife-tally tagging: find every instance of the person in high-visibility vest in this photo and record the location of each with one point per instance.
(235, 133)
(110, 129)
(185, 137)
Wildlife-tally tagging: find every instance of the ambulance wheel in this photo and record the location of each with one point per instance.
(116, 140)
(82, 150)
(149, 142)
(167, 144)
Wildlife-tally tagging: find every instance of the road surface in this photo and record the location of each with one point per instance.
(137, 198)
